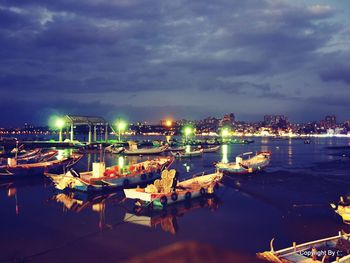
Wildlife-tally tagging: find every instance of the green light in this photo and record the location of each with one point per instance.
(225, 132)
(60, 123)
(188, 131)
(121, 126)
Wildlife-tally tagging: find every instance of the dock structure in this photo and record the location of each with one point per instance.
(91, 121)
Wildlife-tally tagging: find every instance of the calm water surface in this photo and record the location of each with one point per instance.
(290, 201)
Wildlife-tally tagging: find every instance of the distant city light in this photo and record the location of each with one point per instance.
(225, 132)
(188, 131)
(121, 126)
(168, 123)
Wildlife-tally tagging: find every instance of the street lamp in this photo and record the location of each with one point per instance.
(225, 132)
(187, 131)
(60, 124)
(121, 125)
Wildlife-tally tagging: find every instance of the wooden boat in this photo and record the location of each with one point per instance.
(246, 166)
(332, 249)
(211, 149)
(133, 150)
(162, 192)
(177, 149)
(14, 170)
(342, 208)
(186, 154)
(114, 149)
(103, 179)
(40, 157)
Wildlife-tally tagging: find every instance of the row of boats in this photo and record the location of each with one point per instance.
(177, 151)
(153, 184)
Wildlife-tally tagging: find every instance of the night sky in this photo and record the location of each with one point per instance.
(148, 60)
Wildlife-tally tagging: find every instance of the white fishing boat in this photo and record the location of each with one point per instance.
(177, 149)
(163, 192)
(211, 149)
(245, 166)
(188, 154)
(331, 250)
(133, 150)
(114, 149)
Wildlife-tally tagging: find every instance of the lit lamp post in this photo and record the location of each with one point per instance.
(121, 125)
(225, 132)
(60, 124)
(188, 131)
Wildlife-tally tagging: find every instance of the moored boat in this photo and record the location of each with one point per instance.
(332, 249)
(133, 150)
(103, 179)
(211, 149)
(114, 149)
(245, 166)
(14, 170)
(163, 192)
(177, 149)
(187, 154)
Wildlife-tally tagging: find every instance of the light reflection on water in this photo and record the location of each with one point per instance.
(224, 153)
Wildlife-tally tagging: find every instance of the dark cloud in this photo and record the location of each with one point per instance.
(337, 73)
(254, 50)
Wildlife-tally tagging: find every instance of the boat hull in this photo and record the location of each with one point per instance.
(28, 170)
(185, 191)
(78, 184)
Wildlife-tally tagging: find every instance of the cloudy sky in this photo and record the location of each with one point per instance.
(150, 59)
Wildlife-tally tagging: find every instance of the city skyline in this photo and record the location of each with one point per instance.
(149, 61)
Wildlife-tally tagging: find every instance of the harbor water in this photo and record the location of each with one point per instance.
(290, 202)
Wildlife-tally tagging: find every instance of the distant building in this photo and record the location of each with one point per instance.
(228, 120)
(278, 121)
(330, 122)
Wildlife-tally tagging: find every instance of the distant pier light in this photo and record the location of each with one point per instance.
(168, 123)
(60, 123)
(225, 132)
(187, 131)
(121, 126)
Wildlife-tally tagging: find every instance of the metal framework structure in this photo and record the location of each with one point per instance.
(91, 121)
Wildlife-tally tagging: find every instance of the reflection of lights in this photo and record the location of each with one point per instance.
(224, 153)
(188, 148)
(98, 207)
(121, 162)
(60, 155)
(187, 167)
(264, 148)
(11, 192)
(290, 154)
